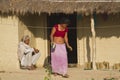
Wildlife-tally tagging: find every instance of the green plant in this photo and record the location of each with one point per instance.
(92, 79)
(49, 72)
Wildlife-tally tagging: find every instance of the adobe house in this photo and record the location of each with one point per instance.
(94, 32)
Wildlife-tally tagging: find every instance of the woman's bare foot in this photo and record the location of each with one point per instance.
(55, 74)
(65, 76)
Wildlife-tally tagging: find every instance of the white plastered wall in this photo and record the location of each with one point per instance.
(8, 42)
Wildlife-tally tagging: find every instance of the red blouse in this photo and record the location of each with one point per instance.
(59, 33)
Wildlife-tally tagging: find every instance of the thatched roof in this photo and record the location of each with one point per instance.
(58, 6)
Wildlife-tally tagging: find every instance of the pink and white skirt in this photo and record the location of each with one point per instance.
(59, 59)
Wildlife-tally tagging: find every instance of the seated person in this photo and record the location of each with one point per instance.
(27, 56)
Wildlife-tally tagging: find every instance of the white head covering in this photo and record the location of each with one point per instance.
(26, 37)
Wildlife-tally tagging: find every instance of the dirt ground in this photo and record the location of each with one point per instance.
(74, 74)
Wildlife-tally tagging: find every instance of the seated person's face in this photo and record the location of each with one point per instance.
(27, 41)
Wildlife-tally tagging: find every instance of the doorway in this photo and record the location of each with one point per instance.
(72, 34)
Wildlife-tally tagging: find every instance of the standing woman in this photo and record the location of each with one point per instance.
(59, 41)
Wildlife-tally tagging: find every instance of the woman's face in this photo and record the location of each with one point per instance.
(64, 25)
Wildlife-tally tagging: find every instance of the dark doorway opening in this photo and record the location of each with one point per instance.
(72, 36)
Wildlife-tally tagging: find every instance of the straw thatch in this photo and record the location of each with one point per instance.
(57, 6)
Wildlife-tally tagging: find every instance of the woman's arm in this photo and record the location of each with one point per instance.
(52, 33)
(66, 41)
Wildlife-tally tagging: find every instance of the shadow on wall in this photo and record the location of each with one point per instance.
(6, 15)
(105, 26)
(47, 62)
(88, 49)
(108, 25)
(35, 23)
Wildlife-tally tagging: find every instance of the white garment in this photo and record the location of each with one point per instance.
(25, 55)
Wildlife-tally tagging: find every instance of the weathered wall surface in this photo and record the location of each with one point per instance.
(107, 38)
(8, 42)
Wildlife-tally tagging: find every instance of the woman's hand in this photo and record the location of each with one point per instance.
(51, 43)
(69, 47)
